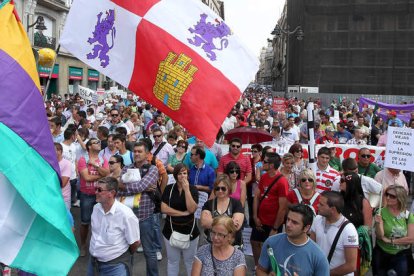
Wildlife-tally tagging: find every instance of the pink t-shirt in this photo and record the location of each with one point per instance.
(87, 187)
(66, 170)
(237, 193)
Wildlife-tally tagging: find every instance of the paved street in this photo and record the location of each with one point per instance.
(139, 263)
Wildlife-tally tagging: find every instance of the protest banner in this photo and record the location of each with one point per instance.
(202, 198)
(342, 151)
(400, 149)
(279, 104)
(86, 93)
(403, 111)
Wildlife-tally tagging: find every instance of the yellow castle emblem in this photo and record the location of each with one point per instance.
(173, 77)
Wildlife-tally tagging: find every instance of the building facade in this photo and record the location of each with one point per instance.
(264, 75)
(350, 46)
(216, 6)
(68, 72)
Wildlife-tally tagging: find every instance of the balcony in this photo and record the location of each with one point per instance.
(43, 41)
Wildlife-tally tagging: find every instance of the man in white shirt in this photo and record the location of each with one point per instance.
(163, 149)
(115, 232)
(325, 228)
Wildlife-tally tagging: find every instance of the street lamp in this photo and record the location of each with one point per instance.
(40, 23)
(278, 31)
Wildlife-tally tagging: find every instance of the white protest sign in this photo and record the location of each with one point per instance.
(202, 198)
(86, 93)
(400, 149)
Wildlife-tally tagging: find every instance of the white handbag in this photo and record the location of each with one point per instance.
(177, 239)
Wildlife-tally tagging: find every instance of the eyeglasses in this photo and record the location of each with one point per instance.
(217, 234)
(387, 194)
(366, 155)
(157, 136)
(233, 171)
(223, 189)
(307, 179)
(114, 115)
(236, 146)
(112, 162)
(100, 190)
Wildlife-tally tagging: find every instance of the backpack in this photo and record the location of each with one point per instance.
(311, 201)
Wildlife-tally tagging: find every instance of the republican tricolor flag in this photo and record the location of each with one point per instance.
(35, 234)
(178, 55)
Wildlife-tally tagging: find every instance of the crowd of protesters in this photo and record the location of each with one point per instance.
(120, 152)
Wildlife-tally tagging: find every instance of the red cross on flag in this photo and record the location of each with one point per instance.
(178, 55)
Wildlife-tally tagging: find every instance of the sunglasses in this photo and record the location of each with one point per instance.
(307, 179)
(233, 171)
(387, 194)
(299, 151)
(100, 190)
(255, 151)
(223, 189)
(112, 162)
(157, 136)
(95, 142)
(366, 155)
(181, 146)
(345, 178)
(114, 115)
(236, 146)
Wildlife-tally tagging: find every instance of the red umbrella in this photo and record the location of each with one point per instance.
(249, 135)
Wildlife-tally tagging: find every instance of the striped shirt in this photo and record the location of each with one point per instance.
(327, 180)
(146, 205)
(242, 160)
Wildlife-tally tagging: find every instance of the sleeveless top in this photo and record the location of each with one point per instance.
(237, 193)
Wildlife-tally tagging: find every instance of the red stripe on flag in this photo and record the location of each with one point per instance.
(207, 99)
(138, 7)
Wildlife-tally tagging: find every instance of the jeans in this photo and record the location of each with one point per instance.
(86, 207)
(146, 229)
(107, 269)
(73, 188)
(157, 231)
(174, 256)
(382, 262)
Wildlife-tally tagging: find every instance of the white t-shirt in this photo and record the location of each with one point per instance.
(69, 153)
(325, 234)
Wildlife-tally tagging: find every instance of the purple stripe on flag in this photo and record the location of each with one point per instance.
(22, 108)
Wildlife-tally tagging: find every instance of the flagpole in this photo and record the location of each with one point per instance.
(50, 74)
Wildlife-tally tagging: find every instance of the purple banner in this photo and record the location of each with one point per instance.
(383, 109)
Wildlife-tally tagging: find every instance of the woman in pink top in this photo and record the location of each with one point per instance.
(238, 186)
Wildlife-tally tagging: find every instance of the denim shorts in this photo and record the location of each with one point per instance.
(86, 207)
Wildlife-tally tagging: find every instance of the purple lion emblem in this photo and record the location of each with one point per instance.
(99, 36)
(205, 32)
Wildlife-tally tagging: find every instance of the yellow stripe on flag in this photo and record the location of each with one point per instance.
(15, 43)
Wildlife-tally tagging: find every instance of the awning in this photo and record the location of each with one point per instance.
(93, 75)
(45, 71)
(75, 73)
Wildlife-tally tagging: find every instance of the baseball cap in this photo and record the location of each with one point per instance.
(393, 113)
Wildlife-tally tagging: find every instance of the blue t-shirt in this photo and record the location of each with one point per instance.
(306, 259)
(210, 160)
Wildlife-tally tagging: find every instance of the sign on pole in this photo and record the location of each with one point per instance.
(399, 152)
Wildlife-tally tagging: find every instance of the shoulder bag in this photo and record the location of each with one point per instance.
(177, 239)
